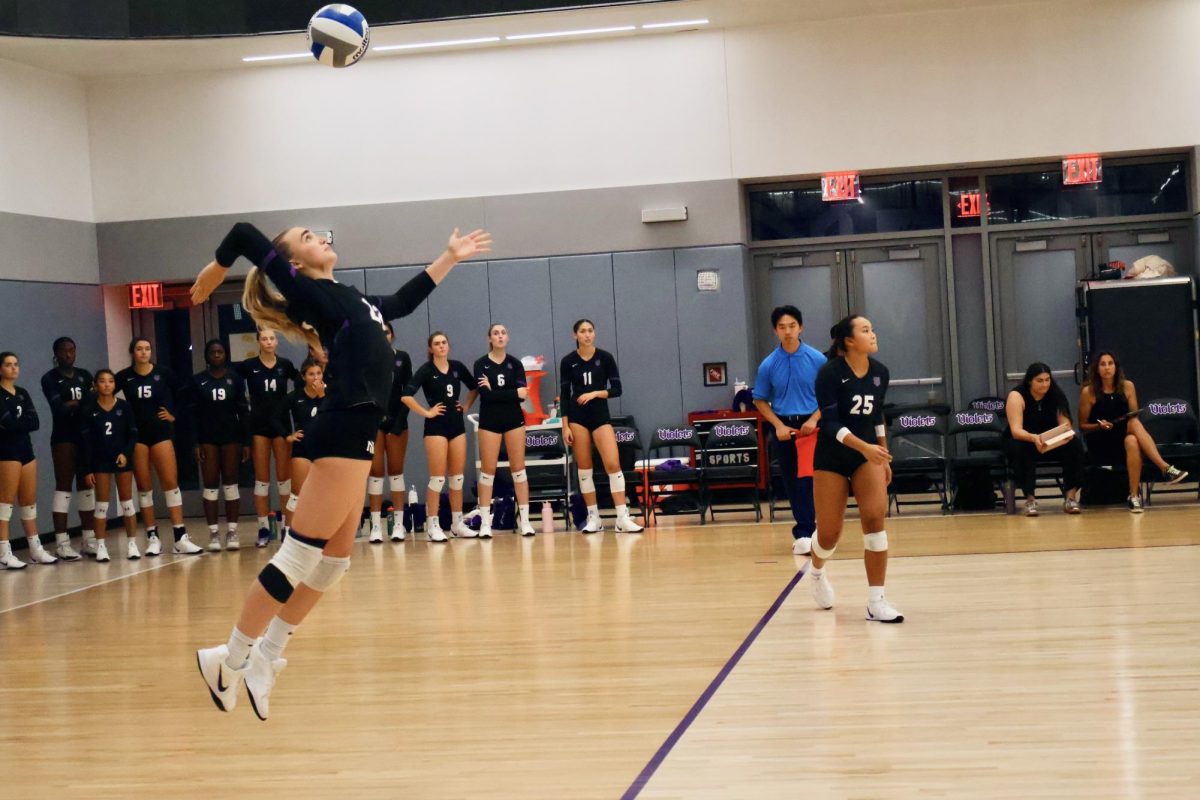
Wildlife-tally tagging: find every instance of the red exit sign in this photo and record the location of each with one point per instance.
(968, 205)
(146, 295)
(1079, 170)
(838, 186)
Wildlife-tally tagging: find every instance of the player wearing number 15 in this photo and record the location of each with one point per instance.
(852, 452)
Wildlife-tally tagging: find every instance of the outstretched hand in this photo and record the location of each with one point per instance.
(469, 246)
(212, 276)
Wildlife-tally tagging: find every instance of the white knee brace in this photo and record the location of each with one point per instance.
(455, 483)
(520, 476)
(127, 508)
(101, 510)
(232, 493)
(62, 503)
(396, 482)
(146, 499)
(5, 512)
(211, 494)
(875, 542)
(327, 573)
(586, 484)
(819, 551)
(436, 483)
(616, 481)
(291, 565)
(284, 487)
(87, 500)
(292, 500)
(374, 485)
(486, 480)
(174, 497)
(29, 512)
(262, 489)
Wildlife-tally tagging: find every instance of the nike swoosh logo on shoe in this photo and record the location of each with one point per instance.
(221, 687)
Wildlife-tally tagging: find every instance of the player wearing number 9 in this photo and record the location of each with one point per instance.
(442, 380)
(222, 414)
(852, 451)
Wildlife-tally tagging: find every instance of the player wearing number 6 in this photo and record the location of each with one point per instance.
(852, 452)
(442, 380)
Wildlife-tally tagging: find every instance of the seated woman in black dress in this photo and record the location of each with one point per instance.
(1035, 406)
(1111, 439)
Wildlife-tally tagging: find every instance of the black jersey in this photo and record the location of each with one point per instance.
(348, 323)
(267, 386)
(222, 413)
(302, 408)
(577, 376)
(18, 416)
(438, 386)
(1040, 415)
(66, 395)
(107, 434)
(848, 401)
(505, 378)
(146, 394)
(402, 373)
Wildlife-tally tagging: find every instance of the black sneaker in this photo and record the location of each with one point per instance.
(264, 537)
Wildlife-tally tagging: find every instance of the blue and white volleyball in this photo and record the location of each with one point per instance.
(338, 35)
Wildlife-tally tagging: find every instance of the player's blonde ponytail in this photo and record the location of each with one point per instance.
(269, 308)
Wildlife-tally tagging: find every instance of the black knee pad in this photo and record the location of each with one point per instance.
(276, 583)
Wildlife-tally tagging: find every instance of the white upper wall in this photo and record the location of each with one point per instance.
(876, 92)
(44, 159)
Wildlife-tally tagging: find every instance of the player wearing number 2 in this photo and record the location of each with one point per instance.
(441, 379)
(852, 452)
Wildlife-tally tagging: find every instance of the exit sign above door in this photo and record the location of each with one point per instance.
(838, 186)
(1083, 169)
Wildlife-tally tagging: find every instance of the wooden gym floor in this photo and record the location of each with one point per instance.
(1050, 657)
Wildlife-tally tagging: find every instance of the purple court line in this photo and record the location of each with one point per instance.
(661, 754)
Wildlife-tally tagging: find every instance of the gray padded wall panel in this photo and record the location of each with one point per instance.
(520, 298)
(644, 287)
(582, 286)
(713, 326)
(971, 320)
(34, 315)
(45, 249)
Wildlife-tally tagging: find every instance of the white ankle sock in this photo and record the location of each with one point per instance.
(213, 529)
(34, 543)
(62, 538)
(594, 511)
(88, 535)
(239, 649)
(525, 512)
(5, 548)
(262, 522)
(875, 593)
(622, 511)
(456, 517)
(376, 519)
(232, 527)
(817, 572)
(276, 638)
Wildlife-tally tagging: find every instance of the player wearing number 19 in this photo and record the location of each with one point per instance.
(222, 440)
(851, 387)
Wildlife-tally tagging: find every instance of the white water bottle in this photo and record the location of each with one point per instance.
(412, 496)
(547, 517)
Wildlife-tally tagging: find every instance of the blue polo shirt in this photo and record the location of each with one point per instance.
(788, 380)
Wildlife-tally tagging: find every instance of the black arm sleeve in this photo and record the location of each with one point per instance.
(406, 299)
(493, 393)
(406, 371)
(131, 431)
(827, 400)
(614, 376)
(53, 395)
(465, 376)
(85, 434)
(417, 380)
(564, 385)
(248, 241)
(243, 410)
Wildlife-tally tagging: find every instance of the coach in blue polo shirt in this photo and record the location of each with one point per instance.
(785, 394)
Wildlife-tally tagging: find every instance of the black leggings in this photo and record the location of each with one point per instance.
(1024, 458)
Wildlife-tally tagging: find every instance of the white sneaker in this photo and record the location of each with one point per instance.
(214, 543)
(883, 611)
(102, 552)
(433, 530)
(260, 680)
(485, 528)
(526, 528)
(398, 532)
(67, 553)
(1071, 506)
(1135, 504)
(802, 547)
(462, 530)
(153, 546)
(131, 550)
(223, 682)
(822, 591)
(186, 547)
(89, 547)
(1174, 474)
(593, 524)
(231, 541)
(9, 561)
(376, 534)
(1031, 509)
(38, 555)
(626, 524)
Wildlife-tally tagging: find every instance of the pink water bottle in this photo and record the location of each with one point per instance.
(547, 517)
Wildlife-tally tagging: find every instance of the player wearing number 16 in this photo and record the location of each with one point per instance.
(66, 388)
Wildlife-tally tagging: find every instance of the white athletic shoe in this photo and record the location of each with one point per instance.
(626, 524)
(131, 550)
(153, 546)
(231, 541)
(1031, 509)
(802, 547)
(462, 530)
(102, 552)
(434, 532)
(223, 682)
(1135, 504)
(9, 561)
(38, 555)
(214, 543)
(67, 553)
(260, 680)
(526, 528)
(822, 591)
(485, 528)
(186, 547)
(1071, 506)
(398, 532)
(883, 611)
(593, 524)
(376, 534)
(89, 547)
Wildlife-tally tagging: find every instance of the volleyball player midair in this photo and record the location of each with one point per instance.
(303, 405)
(851, 453)
(588, 377)
(151, 392)
(66, 388)
(309, 305)
(18, 467)
(442, 380)
(109, 435)
(391, 444)
(501, 387)
(266, 376)
(222, 440)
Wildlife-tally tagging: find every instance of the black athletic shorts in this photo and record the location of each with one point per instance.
(343, 433)
(501, 419)
(833, 456)
(68, 435)
(160, 431)
(108, 464)
(449, 425)
(220, 436)
(272, 425)
(301, 448)
(591, 416)
(16, 447)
